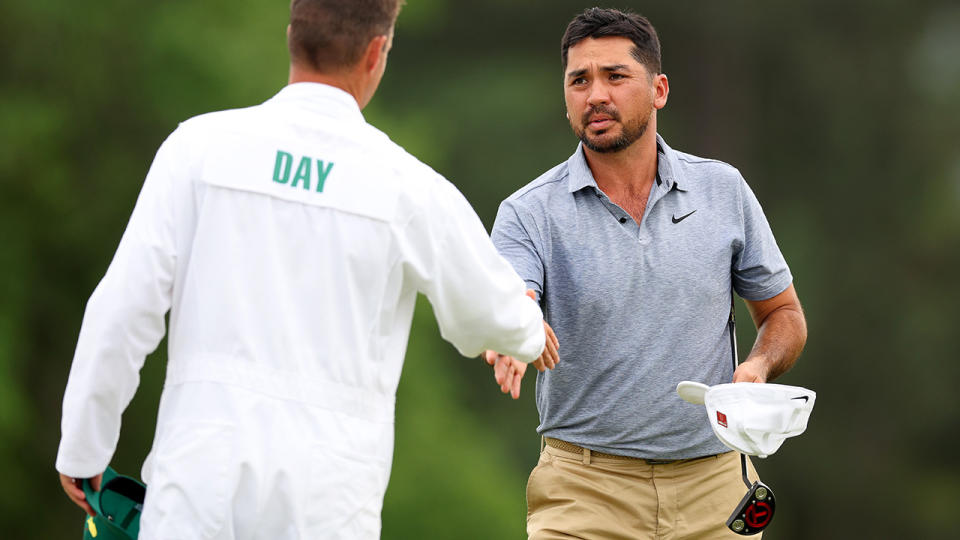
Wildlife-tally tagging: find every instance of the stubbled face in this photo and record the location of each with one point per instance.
(611, 98)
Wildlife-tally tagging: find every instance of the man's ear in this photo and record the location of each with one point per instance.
(661, 91)
(375, 50)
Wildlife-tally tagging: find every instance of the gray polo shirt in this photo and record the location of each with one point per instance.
(638, 307)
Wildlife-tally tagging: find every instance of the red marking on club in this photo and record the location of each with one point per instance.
(758, 515)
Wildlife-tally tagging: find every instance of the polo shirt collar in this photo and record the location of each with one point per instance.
(580, 176)
(321, 98)
(667, 166)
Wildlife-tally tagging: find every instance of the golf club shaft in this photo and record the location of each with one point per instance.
(736, 362)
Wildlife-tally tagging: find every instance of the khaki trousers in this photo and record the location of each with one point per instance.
(573, 495)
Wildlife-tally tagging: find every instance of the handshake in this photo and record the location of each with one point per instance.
(508, 371)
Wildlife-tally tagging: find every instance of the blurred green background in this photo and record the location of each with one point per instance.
(842, 115)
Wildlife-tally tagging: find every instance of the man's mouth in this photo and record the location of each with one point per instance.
(600, 121)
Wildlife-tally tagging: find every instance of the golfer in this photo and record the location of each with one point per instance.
(288, 241)
(633, 249)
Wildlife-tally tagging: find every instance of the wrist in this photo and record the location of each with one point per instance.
(756, 368)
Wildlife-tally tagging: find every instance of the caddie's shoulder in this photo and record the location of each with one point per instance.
(194, 136)
(198, 133)
(228, 119)
(409, 170)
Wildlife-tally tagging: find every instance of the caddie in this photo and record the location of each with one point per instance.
(288, 241)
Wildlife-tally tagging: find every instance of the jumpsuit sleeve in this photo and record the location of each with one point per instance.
(478, 299)
(122, 324)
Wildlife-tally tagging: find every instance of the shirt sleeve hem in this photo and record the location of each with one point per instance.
(768, 292)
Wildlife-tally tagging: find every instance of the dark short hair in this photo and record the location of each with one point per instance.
(332, 34)
(600, 22)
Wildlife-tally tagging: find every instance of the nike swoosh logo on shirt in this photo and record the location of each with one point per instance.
(681, 218)
(804, 398)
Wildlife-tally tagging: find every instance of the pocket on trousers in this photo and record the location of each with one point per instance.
(190, 489)
(346, 495)
(535, 492)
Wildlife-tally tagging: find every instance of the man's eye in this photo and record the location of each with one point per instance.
(578, 81)
(616, 76)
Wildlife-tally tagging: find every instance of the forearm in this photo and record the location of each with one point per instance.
(116, 335)
(780, 340)
(122, 324)
(477, 297)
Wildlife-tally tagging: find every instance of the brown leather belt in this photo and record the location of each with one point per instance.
(570, 447)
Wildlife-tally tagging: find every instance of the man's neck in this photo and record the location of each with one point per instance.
(337, 80)
(629, 171)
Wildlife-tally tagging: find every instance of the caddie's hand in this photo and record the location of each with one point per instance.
(753, 370)
(507, 371)
(72, 487)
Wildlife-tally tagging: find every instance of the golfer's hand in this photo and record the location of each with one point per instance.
(507, 371)
(71, 486)
(550, 356)
(752, 370)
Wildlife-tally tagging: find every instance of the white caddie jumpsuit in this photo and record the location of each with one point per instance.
(288, 241)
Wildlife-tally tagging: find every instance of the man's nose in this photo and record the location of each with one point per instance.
(599, 94)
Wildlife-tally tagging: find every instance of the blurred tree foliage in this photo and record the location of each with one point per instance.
(841, 115)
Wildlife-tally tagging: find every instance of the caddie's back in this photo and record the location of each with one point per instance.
(298, 206)
(292, 293)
